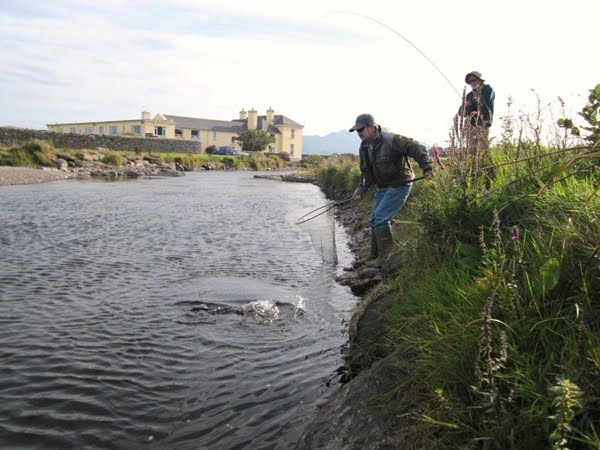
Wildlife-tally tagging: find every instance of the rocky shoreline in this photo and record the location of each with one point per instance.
(10, 175)
(353, 418)
(28, 175)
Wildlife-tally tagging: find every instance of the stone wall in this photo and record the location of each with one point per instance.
(16, 136)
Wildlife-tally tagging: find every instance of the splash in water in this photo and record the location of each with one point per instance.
(299, 310)
(264, 309)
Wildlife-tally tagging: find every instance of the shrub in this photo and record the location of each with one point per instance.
(340, 176)
(186, 161)
(257, 161)
(285, 156)
(275, 161)
(211, 149)
(17, 157)
(30, 153)
(312, 161)
(113, 159)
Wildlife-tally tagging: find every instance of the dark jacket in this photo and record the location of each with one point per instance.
(386, 164)
(482, 101)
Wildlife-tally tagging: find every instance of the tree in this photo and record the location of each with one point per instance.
(254, 140)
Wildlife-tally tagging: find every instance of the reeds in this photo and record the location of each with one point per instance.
(497, 302)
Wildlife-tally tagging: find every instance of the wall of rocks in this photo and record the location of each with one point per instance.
(16, 136)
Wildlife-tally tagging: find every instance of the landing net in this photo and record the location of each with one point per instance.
(320, 226)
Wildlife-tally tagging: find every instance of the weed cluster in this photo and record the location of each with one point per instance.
(339, 176)
(35, 152)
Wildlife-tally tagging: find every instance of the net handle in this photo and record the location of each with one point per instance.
(328, 206)
(325, 208)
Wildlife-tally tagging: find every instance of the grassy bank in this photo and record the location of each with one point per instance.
(496, 313)
(43, 153)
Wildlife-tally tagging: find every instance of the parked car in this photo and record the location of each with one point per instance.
(227, 150)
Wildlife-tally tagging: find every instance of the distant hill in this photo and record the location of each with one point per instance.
(337, 142)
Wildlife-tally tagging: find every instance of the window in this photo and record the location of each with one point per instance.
(136, 129)
(72, 130)
(178, 132)
(113, 130)
(101, 130)
(159, 131)
(214, 135)
(292, 149)
(271, 149)
(195, 134)
(88, 130)
(293, 133)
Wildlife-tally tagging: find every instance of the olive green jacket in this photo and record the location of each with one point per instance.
(385, 163)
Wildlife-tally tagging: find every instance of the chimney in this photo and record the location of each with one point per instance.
(270, 116)
(243, 114)
(252, 119)
(145, 115)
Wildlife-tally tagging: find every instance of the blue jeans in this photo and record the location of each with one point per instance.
(388, 201)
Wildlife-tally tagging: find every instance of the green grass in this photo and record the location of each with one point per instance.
(43, 153)
(495, 317)
(34, 152)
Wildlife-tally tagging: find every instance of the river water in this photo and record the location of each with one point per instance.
(176, 313)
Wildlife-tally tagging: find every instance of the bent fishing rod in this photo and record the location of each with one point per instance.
(429, 60)
(306, 217)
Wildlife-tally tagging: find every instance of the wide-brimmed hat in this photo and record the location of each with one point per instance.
(363, 120)
(473, 74)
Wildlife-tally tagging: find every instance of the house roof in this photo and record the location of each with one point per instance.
(203, 124)
(234, 126)
(280, 119)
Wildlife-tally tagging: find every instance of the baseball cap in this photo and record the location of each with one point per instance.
(363, 120)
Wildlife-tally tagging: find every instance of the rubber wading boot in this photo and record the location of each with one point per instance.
(385, 245)
(373, 255)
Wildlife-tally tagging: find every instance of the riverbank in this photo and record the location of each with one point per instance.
(353, 418)
(478, 338)
(28, 175)
(10, 175)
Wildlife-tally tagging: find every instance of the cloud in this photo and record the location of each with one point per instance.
(317, 62)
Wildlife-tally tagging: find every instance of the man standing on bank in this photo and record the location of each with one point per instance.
(384, 163)
(478, 108)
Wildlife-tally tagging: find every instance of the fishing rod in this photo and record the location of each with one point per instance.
(306, 217)
(429, 60)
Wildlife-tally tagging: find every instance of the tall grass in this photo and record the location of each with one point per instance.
(30, 153)
(496, 318)
(255, 161)
(339, 176)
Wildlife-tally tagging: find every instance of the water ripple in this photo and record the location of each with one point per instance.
(163, 314)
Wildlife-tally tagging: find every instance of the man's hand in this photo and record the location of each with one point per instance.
(356, 197)
(429, 175)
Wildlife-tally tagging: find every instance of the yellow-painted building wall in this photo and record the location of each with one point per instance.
(116, 128)
(288, 140)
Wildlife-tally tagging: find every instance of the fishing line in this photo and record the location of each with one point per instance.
(429, 60)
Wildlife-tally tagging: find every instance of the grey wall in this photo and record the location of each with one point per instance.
(17, 136)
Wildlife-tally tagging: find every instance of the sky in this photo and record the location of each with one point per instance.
(318, 62)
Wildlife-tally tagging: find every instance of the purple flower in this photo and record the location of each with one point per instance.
(515, 233)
